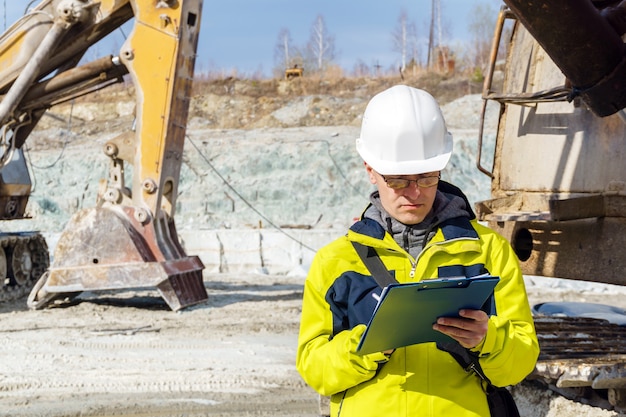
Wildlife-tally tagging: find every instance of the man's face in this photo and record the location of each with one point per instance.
(409, 205)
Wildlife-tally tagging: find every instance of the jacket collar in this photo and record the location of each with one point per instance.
(451, 213)
(459, 227)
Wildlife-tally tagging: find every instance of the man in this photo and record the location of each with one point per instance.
(421, 228)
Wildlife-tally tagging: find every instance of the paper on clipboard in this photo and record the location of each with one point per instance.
(406, 313)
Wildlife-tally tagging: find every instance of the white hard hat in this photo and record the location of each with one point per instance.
(404, 133)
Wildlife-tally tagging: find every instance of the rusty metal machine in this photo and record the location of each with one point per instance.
(128, 239)
(559, 177)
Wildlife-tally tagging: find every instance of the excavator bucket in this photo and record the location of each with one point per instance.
(130, 255)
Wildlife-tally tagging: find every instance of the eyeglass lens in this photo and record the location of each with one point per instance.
(423, 182)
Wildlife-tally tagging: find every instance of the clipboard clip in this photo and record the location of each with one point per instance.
(452, 282)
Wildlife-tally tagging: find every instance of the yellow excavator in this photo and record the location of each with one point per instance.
(128, 239)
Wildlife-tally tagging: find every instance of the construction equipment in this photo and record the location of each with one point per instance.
(129, 239)
(559, 178)
(294, 72)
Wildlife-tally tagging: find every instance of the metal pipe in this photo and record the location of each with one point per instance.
(495, 45)
(497, 38)
(31, 71)
(481, 133)
(100, 70)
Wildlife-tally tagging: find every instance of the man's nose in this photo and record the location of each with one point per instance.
(413, 190)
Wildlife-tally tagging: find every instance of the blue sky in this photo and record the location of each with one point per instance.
(242, 34)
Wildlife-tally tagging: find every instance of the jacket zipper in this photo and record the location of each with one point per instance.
(428, 246)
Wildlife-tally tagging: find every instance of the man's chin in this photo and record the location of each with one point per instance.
(410, 219)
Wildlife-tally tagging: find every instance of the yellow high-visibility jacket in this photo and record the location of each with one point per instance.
(418, 380)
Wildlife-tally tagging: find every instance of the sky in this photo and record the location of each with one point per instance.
(240, 36)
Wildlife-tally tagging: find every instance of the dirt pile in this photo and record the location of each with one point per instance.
(253, 149)
(253, 104)
(244, 104)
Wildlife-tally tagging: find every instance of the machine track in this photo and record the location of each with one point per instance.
(23, 259)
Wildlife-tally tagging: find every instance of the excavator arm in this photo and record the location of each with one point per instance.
(128, 239)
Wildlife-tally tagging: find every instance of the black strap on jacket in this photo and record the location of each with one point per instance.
(500, 400)
(373, 263)
(465, 358)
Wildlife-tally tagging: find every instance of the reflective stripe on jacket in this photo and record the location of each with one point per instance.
(418, 380)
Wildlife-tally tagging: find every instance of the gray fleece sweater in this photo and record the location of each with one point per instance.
(413, 238)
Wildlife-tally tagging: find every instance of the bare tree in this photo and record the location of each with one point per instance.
(404, 39)
(414, 47)
(400, 38)
(439, 55)
(481, 26)
(283, 49)
(361, 69)
(321, 45)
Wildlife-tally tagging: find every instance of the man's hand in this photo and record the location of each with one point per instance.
(469, 329)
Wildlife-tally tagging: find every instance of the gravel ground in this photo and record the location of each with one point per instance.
(126, 354)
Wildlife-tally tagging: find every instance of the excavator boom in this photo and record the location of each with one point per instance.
(128, 239)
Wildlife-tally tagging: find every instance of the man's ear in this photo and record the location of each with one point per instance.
(370, 173)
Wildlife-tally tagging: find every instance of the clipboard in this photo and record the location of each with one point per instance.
(406, 313)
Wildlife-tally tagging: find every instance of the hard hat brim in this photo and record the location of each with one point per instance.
(435, 163)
